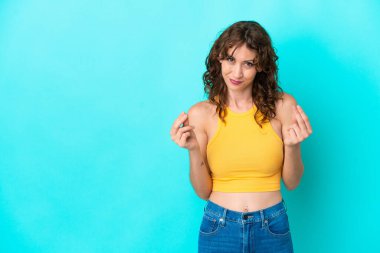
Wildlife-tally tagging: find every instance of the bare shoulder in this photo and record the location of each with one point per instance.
(288, 100)
(284, 108)
(199, 114)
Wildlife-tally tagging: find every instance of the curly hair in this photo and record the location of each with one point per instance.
(265, 90)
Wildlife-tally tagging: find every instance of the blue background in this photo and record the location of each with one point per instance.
(90, 89)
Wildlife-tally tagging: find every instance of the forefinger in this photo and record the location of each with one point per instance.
(181, 118)
(305, 118)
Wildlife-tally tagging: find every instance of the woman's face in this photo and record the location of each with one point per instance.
(239, 70)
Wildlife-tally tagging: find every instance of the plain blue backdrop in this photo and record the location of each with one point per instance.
(90, 89)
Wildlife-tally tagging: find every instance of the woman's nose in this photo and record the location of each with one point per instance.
(237, 71)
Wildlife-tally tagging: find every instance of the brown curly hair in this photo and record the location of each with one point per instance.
(265, 91)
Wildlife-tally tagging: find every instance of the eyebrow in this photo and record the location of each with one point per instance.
(253, 60)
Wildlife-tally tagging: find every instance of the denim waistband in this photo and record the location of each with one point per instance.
(255, 216)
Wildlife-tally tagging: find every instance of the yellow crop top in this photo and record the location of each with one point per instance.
(244, 157)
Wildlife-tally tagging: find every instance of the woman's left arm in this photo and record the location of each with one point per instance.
(295, 129)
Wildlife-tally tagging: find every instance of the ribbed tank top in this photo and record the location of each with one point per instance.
(244, 157)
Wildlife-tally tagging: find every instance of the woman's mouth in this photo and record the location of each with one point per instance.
(235, 82)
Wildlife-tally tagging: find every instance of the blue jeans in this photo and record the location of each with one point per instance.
(263, 231)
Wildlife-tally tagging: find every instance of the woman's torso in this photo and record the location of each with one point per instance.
(242, 201)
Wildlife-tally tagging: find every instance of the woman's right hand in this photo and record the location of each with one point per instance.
(184, 136)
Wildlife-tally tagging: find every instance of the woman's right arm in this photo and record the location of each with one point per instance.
(193, 137)
(199, 172)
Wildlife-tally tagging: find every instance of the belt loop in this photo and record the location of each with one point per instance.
(223, 218)
(205, 206)
(262, 218)
(286, 208)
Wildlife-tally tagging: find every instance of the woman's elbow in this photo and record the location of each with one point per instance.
(291, 185)
(204, 196)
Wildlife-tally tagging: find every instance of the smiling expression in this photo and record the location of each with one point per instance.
(239, 68)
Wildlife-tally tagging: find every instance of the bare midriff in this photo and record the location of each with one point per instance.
(246, 201)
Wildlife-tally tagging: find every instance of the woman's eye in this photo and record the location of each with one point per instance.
(230, 59)
(250, 64)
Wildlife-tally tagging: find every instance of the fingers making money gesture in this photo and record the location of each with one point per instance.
(299, 131)
(183, 136)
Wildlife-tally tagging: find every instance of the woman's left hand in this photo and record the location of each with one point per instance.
(299, 131)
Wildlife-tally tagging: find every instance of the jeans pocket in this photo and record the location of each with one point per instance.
(209, 224)
(278, 226)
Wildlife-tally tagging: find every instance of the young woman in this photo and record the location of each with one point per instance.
(241, 142)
